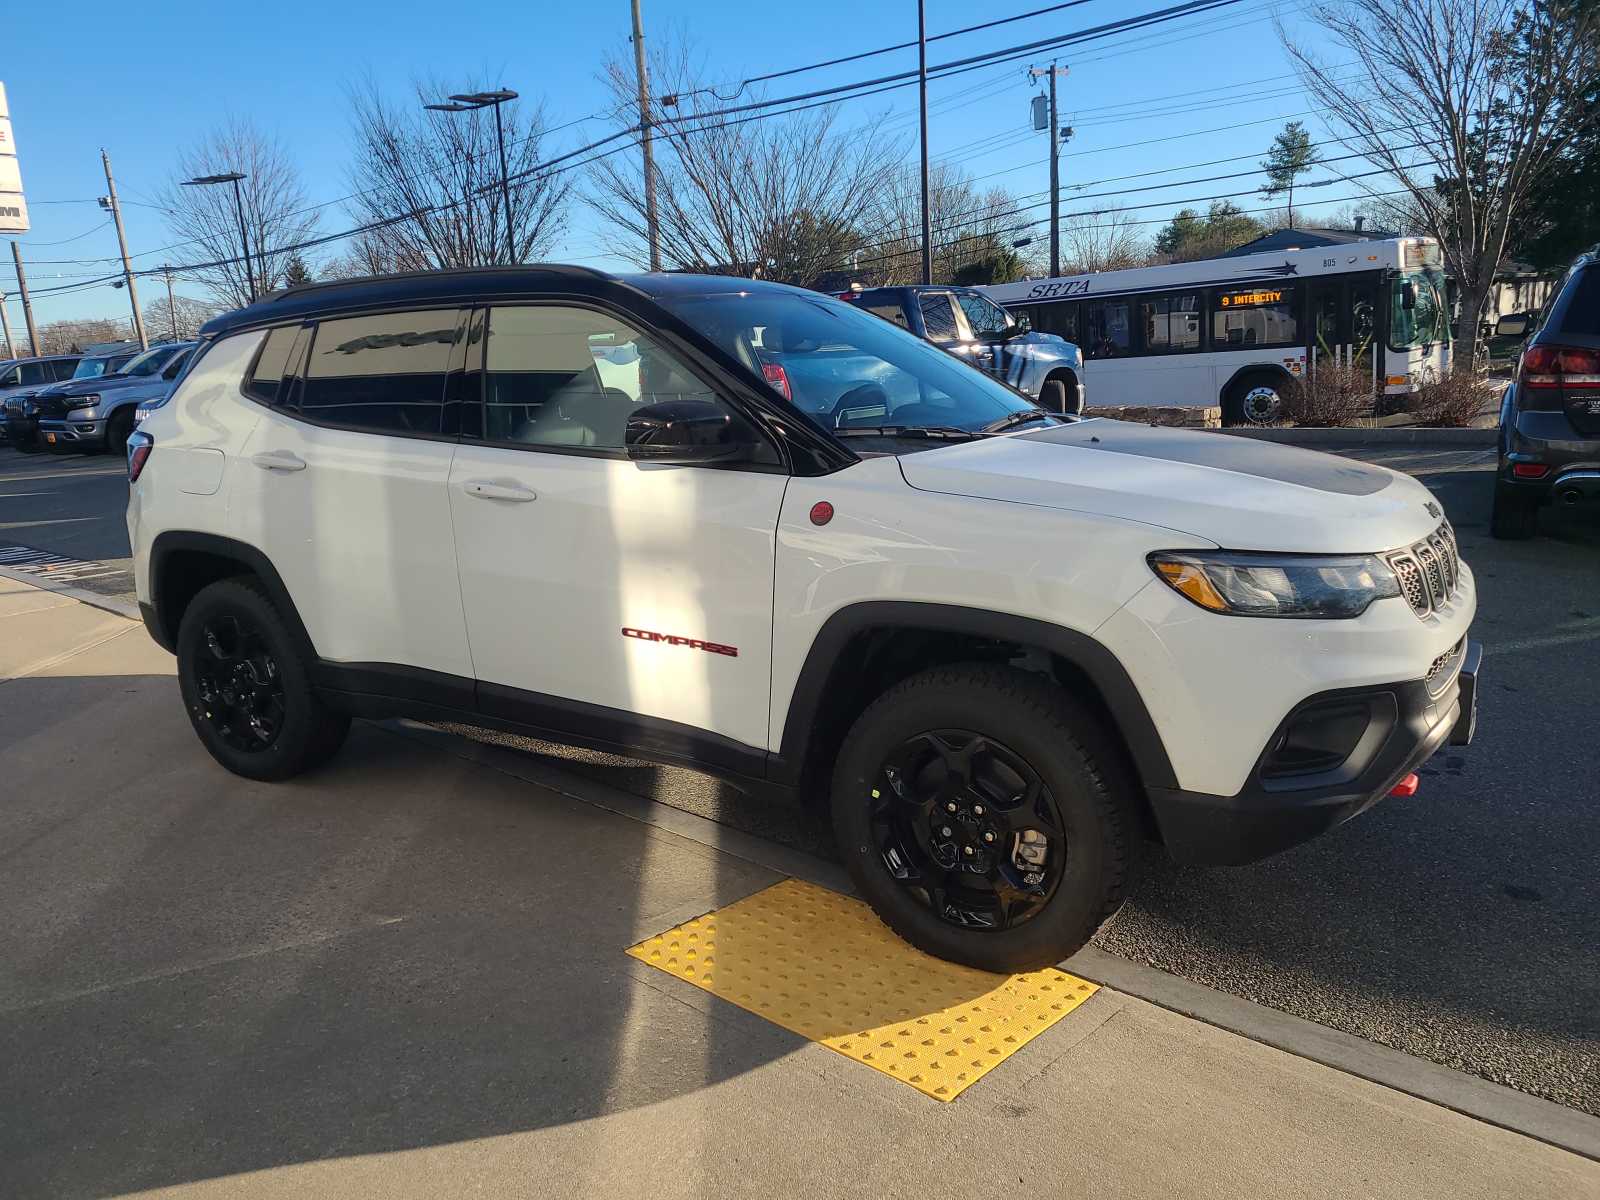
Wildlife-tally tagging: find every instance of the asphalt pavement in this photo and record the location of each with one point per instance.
(1461, 926)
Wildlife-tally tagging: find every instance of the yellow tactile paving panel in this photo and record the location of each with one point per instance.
(820, 964)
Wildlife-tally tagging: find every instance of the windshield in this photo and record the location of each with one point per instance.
(848, 370)
(1426, 323)
(148, 363)
(93, 368)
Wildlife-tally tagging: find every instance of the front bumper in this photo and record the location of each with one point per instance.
(71, 434)
(1405, 725)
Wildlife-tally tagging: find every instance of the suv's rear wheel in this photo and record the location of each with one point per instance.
(247, 689)
(1515, 516)
(982, 815)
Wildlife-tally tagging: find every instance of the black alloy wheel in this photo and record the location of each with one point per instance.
(239, 684)
(969, 827)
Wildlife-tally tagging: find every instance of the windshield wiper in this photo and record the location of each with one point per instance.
(936, 432)
(1021, 417)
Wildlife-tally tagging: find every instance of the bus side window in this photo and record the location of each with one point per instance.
(1108, 332)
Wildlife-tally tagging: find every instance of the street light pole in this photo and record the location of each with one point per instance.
(27, 305)
(470, 102)
(234, 177)
(5, 325)
(172, 308)
(922, 92)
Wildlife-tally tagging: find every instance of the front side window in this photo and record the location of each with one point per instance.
(1171, 323)
(148, 363)
(34, 373)
(62, 368)
(939, 318)
(1256, 316)
(1107, 330)
(988, 319)
(571, 377)
(380, 373)
(845, 369)
(176, 365)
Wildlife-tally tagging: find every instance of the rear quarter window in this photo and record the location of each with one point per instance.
(266, 373)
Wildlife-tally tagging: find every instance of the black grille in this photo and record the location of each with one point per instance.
(1429, 571)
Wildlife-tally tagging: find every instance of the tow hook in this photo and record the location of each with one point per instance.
(1407, 786)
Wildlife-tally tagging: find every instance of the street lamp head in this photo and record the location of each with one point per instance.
(226, 177)
(452, 107)
(479, 99)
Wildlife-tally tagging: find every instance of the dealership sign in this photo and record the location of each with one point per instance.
(13, 208)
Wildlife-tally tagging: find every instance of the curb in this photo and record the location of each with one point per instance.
(1471, 1096)
(1356, 438)
(110, 604)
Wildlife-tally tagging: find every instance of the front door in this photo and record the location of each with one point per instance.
(597, 588)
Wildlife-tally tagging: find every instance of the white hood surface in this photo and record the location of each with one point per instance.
(1240, 493)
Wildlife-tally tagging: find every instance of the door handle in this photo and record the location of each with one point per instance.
(487, 489)
(279, 460)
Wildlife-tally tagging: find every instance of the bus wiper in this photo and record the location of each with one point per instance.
(935, 432)
(1010, 420)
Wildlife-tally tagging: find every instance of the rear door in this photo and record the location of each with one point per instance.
(343, 486)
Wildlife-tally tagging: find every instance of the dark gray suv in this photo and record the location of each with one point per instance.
(1550, 416)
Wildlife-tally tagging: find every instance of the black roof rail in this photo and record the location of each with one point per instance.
(301, 289)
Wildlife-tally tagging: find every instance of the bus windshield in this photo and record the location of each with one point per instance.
(1425, 323)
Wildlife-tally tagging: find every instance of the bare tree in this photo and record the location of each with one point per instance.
(276, 213)
(74, 333)
(969, 226)
(1108, 240)
(182, 320)
(1492, 89)
(777, 196)
(441, 172)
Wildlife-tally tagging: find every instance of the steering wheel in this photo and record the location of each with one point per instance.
(866, 395)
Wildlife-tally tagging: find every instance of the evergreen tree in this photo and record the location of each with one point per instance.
(1290, 157)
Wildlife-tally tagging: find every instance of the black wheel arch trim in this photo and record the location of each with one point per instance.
(1103, 669)
(163, 623)
(1254, 369)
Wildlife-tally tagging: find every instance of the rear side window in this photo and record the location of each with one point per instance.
(270, 364)
(940, 318)
(891, 310)
(1582, 312)
(62, 368)
(383, 373)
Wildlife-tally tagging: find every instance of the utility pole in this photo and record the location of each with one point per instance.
(122, 241)
(172, 309)
(27, 305)
(922, 94)
(646, 139)
(1056, 134)
(5, 325)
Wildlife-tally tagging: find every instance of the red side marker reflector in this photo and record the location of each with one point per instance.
(1530, 470)
(1407, 786)
(821, 512)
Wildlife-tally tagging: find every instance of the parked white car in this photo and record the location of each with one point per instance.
(1000, 643)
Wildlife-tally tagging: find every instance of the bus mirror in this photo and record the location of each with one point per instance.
(1408, 296)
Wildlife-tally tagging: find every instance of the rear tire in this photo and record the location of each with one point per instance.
(1515, 516)
(247, 687)
(1255, 400)
(1013, 722)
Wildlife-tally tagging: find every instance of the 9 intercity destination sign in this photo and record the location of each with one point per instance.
(13, 208)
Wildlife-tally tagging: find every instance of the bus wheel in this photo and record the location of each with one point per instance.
(1254, 401)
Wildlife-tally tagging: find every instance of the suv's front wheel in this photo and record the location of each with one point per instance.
(983, 815)
(247, 689)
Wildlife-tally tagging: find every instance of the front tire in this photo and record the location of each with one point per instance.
(985, 816)
(117, 430)
(1515, 516)
(247, 688)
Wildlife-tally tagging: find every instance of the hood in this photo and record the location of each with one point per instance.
(1239, 493)
(86, 387)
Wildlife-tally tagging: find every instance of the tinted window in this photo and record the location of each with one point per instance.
(383, 373)
(560, 376)
(1061, 319)
(890, 311)
(1171, 323)
(940, 318)
(988, 319)
(35, 372)
(267, 374)
(1107, 331)
(1582, 313)
(10, 376)
(1245, 317)
(176, 364)
(62, 368)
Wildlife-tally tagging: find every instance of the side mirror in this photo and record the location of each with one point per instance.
(1408, 296)
(685, 432)
(1511, 325)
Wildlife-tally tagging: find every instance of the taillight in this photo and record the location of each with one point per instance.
(139, 446)
(1548, 373)
(778, 378)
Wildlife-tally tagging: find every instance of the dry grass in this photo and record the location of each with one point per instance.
(1332, 396)
(1453, 400)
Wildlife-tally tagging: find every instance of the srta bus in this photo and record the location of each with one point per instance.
(1236, 332)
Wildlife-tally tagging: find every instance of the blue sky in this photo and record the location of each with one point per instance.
(1206, 87)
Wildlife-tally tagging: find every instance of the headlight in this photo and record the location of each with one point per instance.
(73, 402)
(1277, 585)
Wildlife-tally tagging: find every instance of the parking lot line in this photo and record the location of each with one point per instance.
(821, 965)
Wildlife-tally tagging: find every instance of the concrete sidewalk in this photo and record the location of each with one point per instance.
(405, 976)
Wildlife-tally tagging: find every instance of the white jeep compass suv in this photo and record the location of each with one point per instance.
(757, 531)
